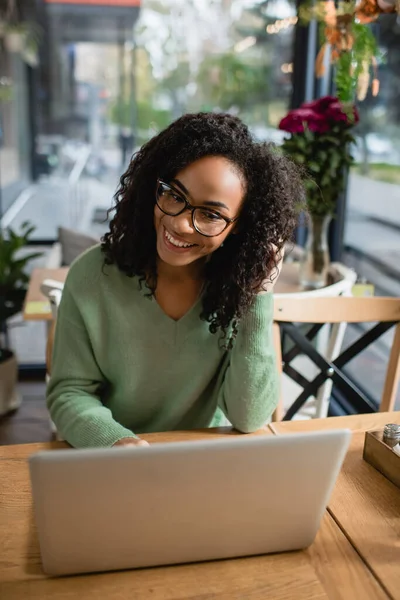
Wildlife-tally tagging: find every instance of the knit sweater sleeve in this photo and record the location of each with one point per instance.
(73, 392)
(250, 388)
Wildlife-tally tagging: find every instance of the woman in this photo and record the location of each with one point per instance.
(167, 324)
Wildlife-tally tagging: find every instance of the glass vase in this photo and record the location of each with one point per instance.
(316, 260)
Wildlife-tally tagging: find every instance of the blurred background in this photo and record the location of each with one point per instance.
(84, 83)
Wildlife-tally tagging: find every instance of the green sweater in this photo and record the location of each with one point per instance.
(121, 365)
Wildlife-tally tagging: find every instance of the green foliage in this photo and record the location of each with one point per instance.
(121, 113)
(227, 80)
(325, 157)
(365, 43)
(361, 54)
(380, 172)
(146, 115)
(13, 278)
(29, 34)
(346, 80)
(350, 64)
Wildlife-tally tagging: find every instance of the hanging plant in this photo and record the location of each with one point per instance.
(369, 10)
(30, 53)
(23, 39)
(344, 32)
(14, 38)
(19, 37)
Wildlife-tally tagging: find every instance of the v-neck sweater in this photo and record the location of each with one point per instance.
(122, 367)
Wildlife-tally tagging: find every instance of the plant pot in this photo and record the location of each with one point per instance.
(9, 398)
(316, 260)
(387, 5)
(14, 42)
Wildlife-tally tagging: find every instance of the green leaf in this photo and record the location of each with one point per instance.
(335, 162)
(300, 141)
(314, 166)
(308, 135)
(13, 278)
(332, 139)
(325, 179)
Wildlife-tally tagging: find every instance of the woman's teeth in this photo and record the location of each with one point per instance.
(175, 242)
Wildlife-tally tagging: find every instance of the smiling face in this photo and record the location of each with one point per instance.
(212, 183)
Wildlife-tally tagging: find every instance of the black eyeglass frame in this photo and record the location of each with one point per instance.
(192, 209)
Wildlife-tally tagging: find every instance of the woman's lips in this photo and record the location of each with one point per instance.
(171, 247)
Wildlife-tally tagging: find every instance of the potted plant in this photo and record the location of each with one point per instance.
(22, 38)
(320, 141)
(13, 285)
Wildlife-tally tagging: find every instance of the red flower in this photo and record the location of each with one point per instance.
(296, 119)
(320, 105)
(319, 116)
(333, 110)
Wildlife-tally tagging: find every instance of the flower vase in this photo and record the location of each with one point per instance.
(315, 262)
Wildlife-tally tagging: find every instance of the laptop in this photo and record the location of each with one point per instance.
(126, 507)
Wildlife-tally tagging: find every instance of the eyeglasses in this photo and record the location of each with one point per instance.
(205, 221)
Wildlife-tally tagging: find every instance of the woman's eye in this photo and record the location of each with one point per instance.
(211, 216)
(177, 198)
(170, 195)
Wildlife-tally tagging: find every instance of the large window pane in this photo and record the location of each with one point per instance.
(233, 56)
(373, 226)
(373, 218)
(110, 77)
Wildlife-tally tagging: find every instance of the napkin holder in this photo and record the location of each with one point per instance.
(381, 456)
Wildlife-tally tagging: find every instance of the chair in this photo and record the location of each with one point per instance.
(319, 311)
(329, 338)
(54, 297)
(53, 291)
(48, 286)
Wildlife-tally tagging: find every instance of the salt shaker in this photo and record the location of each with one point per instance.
(391, 434)
(396, 449)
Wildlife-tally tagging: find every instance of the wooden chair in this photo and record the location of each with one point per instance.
(53, 291)
(316, 311)
(54, 297)
(329, 338)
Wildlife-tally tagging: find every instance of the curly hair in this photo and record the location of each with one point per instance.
(236, 271)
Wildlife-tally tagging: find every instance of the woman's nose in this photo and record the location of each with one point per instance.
(183, 223)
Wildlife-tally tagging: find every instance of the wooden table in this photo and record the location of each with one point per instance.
(36, 306)
(342, 563)
(364, 504)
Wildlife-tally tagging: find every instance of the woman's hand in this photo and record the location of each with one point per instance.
(131, 442)
(270, 281)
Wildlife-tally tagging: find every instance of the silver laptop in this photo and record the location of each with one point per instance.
(120, 508)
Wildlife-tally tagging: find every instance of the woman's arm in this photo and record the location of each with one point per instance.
(75, 384)
(250, 389)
